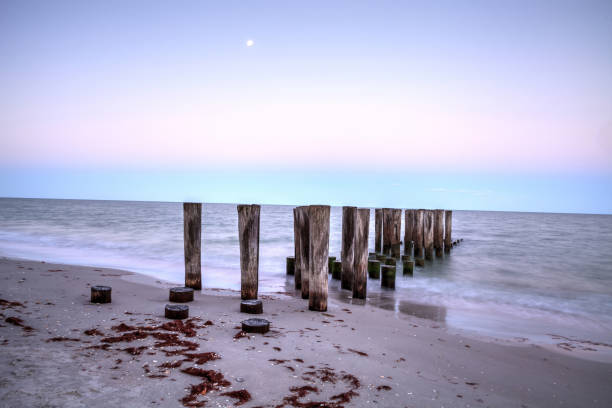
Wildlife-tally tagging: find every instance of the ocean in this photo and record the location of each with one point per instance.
(525, 276)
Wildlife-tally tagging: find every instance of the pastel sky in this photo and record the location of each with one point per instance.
(501, 105)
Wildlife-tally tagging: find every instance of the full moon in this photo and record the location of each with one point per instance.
(250, 43)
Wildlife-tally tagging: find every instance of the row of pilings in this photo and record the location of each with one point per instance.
(427, 232)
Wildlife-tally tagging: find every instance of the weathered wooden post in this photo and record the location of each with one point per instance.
(438, 231)
(347, 256)
(387, 230)
(192, 237)
(378, 230)
(428, 238)
(409, 226)
(396, 246)
(448, 226)
(360, 263)
(318, 221)
(330, 264)
(418, 233)
(248, 235)
(302, 249)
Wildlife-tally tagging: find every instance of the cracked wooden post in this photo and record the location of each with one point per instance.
(248, 235)
(409, 226)
(360, 268)
(438, 232)
(378, 230)
(418, 233)
(348, 246)
(302, 249)
(318, 221)
(448, 226)
(192, 237)
(396, 239)
(428, 237)
(387, 230)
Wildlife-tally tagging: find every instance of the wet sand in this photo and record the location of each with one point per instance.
(57, 349)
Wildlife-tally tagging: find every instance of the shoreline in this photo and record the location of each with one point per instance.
(369, 354)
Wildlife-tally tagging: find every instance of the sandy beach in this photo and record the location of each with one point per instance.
(58, 350)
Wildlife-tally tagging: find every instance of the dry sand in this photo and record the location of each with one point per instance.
(350, 356)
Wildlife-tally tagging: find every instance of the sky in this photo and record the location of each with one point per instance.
(485, 105)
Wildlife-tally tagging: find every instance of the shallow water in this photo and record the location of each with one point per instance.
(514, 275)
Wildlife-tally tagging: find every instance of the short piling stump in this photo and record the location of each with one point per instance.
(337, 270)
(408, 267)
(290, 265)
(419, 262)
(255, 326)
(181, 295)
(101, 294)
(177, 312)
(330, 264)
(253, 306)
(387, 276)
(374, 268)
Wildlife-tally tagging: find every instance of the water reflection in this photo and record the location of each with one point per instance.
(382, 298)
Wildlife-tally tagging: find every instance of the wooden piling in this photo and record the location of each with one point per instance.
(378, 229)
(438, 231)
(360, 262)
(409, 226)
(248, 235)
(192, 237)
(448, 226)
(318, 221)
(387, 276)
(396, 241)
(349, 214)
(387, 230)
(302, 249)
(418, 233)
(428, 237)
(408, 267)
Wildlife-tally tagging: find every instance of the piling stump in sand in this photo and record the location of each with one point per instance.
(101, 294)
(252, 306)
(181, 295)
(177, 311)
(255, 326)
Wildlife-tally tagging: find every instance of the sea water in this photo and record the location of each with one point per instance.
(515, 275)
